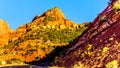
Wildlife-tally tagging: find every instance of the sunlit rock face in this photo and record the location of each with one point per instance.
(53, 17)
(38, 39)
(4, 32)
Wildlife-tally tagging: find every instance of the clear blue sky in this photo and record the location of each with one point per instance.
(19, 12)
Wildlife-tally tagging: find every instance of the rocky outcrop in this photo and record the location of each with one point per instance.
(53, 17)
(4, 32)
(55, 13)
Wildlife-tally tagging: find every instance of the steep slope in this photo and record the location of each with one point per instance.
(53, 18)
(38, 39)
(4, 32)
(98, 46)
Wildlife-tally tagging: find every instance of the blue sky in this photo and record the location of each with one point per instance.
(19, 12)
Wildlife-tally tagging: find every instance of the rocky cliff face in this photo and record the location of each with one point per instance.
(41, 38)
(53, 18)
(4, 32)
(98, 46)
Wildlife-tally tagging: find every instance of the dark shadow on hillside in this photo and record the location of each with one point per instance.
(59, 51)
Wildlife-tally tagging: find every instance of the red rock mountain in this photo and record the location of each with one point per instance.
(53, 18)
(4, 32)
(99, 45)
(38, 39)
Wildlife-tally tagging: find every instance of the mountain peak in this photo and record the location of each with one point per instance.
(4, 26)
(4, 32)
(55, 12)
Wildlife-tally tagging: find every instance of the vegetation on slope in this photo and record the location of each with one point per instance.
(37, 43)
(37, 40)
(99, 46)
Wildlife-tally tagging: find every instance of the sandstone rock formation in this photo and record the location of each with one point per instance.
(53, 17)
(40, 38)
(4, 32)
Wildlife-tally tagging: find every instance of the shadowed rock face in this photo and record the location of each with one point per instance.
(99, 45)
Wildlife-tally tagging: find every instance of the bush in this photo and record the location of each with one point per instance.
(49, 18)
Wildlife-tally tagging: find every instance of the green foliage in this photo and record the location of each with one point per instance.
(49, 18)
(112, 64)
(103, 18)
(39, 42)
(60, 36)
(116, 6)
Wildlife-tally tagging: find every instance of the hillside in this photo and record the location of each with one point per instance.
(99, 45)
(40, 38)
